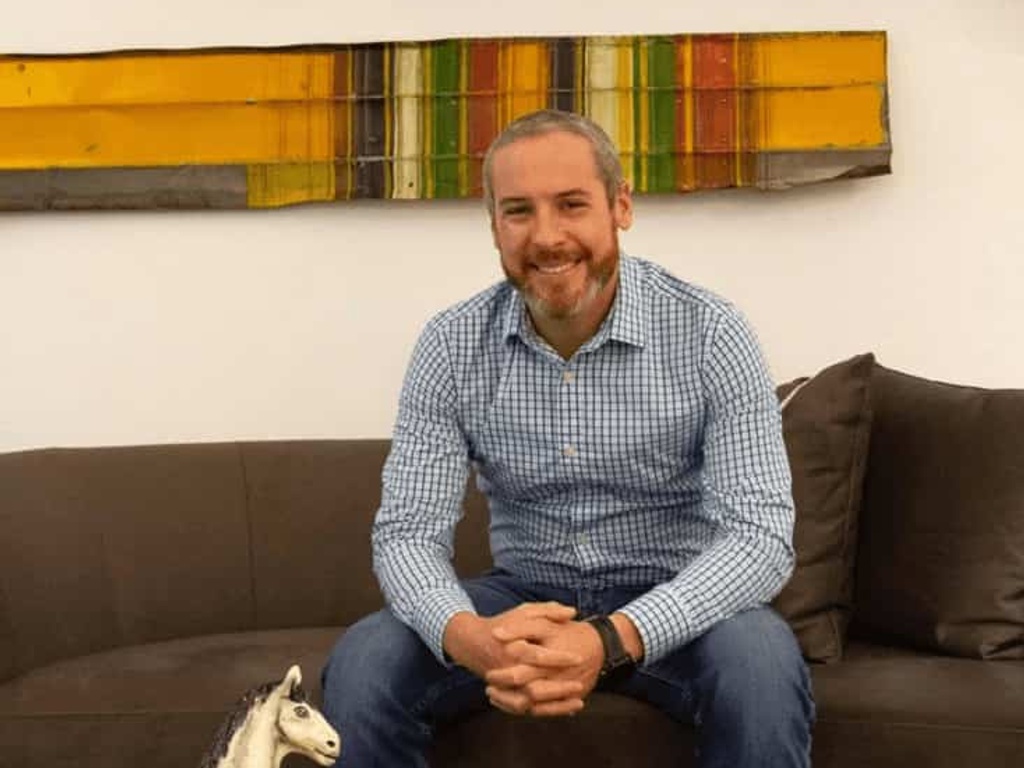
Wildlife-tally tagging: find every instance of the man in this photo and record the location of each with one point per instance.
(626, 433)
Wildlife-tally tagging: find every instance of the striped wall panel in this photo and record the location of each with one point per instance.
(262, 128)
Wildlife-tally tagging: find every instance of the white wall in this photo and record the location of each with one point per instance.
(132, 327)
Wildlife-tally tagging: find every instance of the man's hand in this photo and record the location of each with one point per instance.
(524, 688)
(471, 642)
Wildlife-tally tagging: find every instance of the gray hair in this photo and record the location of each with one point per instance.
(606, 156)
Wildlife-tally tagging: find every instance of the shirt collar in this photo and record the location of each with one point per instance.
(626, 321)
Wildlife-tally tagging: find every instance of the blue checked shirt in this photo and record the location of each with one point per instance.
(653, 458)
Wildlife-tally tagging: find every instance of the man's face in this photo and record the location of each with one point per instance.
(554, 228)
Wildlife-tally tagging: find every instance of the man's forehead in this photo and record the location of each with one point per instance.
(551, 164)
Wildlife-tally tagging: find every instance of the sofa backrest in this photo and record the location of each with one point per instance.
(106, 547)
(940, 560)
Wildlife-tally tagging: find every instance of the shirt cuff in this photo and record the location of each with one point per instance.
(660, 621)
(434, 611)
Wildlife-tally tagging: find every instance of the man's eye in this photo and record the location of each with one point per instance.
(574, 204)
(517, 211)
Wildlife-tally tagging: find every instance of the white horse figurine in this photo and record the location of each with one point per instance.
(269, 722)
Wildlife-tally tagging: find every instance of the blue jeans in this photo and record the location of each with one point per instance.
(743, 684)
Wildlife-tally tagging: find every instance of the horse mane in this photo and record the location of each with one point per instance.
(234, 720)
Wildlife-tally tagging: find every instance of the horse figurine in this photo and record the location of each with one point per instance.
(269, 722)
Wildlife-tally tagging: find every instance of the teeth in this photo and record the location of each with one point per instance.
(556, 269)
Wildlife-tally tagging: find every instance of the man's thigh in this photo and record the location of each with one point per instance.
(751, 659)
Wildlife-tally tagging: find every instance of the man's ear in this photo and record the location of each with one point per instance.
(622, 207)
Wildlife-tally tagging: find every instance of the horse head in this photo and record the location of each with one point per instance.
(300, 726)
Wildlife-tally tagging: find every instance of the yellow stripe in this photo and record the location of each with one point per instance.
(389, 120)
(287, 115)
(169, 135)
(350, 134)
(166, 79)
(529, 77)
(408, 88)
(643, 93)
(835, 59)
(690, 165)
(272, 186)
(626, 115)
(832, 118)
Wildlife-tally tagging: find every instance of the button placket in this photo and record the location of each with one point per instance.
(570, 435)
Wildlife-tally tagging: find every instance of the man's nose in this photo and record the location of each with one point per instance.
(547, 228)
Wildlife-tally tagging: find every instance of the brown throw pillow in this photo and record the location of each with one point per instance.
(826, 422)
(940, 565)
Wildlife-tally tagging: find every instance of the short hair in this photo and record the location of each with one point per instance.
(542, 121)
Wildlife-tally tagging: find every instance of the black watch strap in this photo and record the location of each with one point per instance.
(615, 656)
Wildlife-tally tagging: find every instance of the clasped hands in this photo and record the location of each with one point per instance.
(535, 658)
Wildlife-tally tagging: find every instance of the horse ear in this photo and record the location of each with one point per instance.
(293, 677)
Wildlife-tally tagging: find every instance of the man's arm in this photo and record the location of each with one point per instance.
(746, 495)
(423, 483)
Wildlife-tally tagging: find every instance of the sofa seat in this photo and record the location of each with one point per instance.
(158, 703)
(886, 706)
(878, 703)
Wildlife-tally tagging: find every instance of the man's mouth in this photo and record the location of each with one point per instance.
(555, 269)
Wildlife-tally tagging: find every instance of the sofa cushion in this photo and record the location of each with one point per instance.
(885, 706)
(941, 560)
(826, 422)
(105, 547)
(156, 705)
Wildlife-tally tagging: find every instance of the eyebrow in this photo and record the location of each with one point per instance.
(576, 192)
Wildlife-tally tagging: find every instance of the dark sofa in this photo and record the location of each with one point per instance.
(144, 588)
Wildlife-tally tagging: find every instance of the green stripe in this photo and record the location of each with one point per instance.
(445, 82)
(638, 94)
(661, 72)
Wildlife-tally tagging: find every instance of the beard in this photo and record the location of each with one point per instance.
(599, 273)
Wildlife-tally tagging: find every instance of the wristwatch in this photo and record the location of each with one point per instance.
(617, 663)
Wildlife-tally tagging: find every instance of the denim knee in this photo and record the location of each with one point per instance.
(370, 663)
(754, 688)
(753, 659)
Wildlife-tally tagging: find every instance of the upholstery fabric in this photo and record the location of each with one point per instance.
(156, 705)
(826, 423)
(108, 538)
(942, 565)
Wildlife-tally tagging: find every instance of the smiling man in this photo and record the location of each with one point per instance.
(626, 433)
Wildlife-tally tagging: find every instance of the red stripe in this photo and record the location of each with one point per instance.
(482, 107)
(715, 105)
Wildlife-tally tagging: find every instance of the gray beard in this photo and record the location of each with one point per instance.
(540, 308)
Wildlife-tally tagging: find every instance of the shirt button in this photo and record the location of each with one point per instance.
(568, 377)
(569, 450)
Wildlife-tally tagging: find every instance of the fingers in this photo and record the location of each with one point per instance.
(542, 698)
(535, 655)
(513, 677)
(551, 610)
